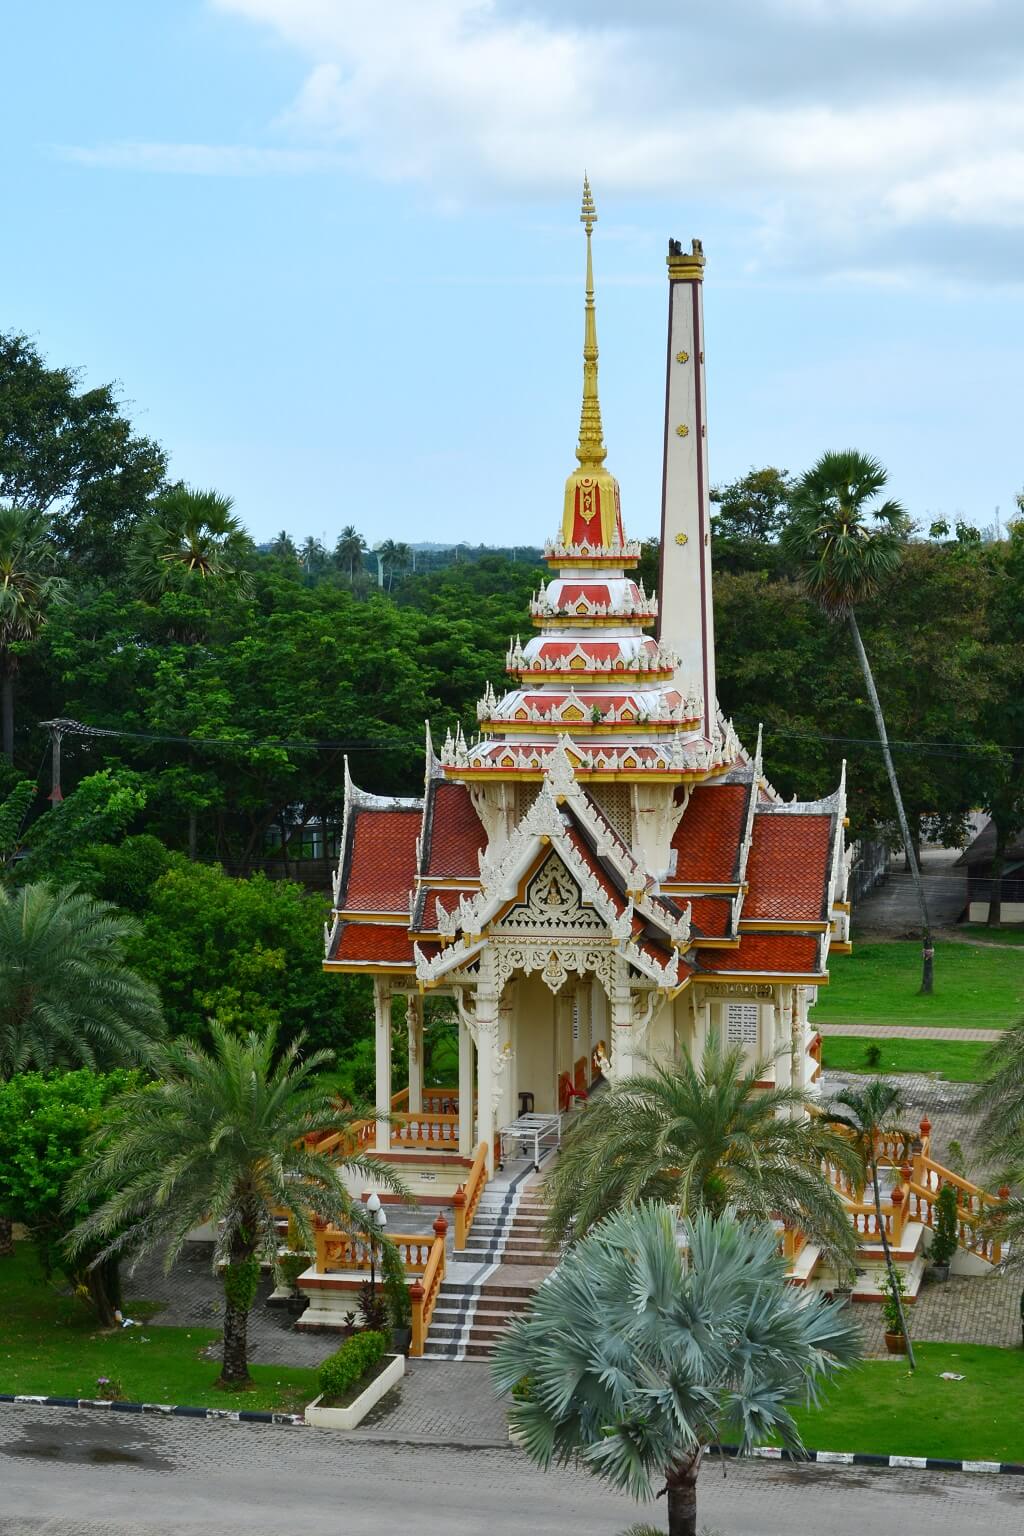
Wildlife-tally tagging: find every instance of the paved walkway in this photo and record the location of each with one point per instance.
(71, 1473)
(892, 908)
(908, 1032)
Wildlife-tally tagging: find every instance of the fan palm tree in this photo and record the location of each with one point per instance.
(349, 551)
(219, 1137)
(867, 1114)
(67, 996)
(637, 1356)
(28, 586)
(191, 539)
(704, 1138)
(846, 545)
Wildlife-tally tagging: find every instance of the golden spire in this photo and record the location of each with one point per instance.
(591, 450)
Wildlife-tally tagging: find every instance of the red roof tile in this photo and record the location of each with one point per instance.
(593, 863)
(382, 866)
(374, 944)
(709, 835)
(788, 954)
(456, 834)
(787, 870)
(710, 915)
(449, 899)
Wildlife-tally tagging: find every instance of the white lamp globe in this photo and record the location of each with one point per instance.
(373, 1203)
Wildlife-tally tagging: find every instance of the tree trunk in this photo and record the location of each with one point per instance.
(103, 1283)
(927, 952)
(235, 1367)
(7, 714)
(6, 1237)
(890, 1268)
(995, 889)
(193, 835)
(681, 1487)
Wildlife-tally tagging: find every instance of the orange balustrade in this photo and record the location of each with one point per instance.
(336, 1249)
(423, 1293)
(467, 1196)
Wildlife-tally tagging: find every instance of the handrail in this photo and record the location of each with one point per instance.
(423, 1293)
(467, 1197)
(338, 1249)
(972, 1232)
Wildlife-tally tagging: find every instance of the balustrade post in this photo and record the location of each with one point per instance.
(416, 1307)
(899, 1212)
(320, 1244)
(459, 1202)
(925, 1128)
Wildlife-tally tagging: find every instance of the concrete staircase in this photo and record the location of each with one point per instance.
(506, 1248)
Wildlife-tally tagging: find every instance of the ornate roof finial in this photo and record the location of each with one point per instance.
(591, 450)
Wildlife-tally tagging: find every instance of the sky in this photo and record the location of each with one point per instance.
(330, 249)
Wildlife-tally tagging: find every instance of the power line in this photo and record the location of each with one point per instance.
(77, 728)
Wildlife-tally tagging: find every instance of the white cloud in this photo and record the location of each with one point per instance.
(817, 122)
(197, 159)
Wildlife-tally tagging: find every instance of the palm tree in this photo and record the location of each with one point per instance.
(868, 1113)
(704, 1138)
(219, 1137)
(191, 539)
(637, 1356)
(349, 551)
(385, 553)
(998, 1100)
(67, 996)
(313, 556)
(28, 585)
(283, 547)
(843, 560)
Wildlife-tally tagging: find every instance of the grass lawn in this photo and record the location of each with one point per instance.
(975, 987)
(882, 1407)
(954, 1060)
(50, 1344)
(992, 935)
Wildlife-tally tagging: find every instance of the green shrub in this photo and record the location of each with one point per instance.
(893, 1291)
(353, 1359)
(945, 1238)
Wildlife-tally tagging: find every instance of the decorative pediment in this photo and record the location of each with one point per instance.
(552, 904)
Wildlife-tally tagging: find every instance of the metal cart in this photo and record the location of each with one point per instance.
(540, 1134)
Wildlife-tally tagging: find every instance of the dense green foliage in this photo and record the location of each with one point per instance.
(45, 1124)
(352, 1360)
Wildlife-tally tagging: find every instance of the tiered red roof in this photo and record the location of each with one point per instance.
(788, 868)
(454, 836)
(709, 838)
(776, 954)
(382, 860)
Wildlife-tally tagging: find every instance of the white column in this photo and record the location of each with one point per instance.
(382, 1036)
(414, 1029)
(623, 1042)
(801, 1036)
(487, 1024)
(782, 1011)
(506, 1107)
(467, 1140)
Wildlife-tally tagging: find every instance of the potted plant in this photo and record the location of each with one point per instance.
(893, 1290)
(353, 1380)
(945, 1237)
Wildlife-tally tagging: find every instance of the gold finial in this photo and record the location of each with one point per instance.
(591, 450)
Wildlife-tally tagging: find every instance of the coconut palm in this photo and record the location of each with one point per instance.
(846, 545)
(219, 1137)
(29, 584)
(312, 556)
(634, 1357)
(68, 998)
(284, 547)
(869, 1113)
(349, 551)
(192, 539)
(702, 1137)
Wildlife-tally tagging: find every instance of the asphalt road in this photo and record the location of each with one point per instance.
(84, 1473)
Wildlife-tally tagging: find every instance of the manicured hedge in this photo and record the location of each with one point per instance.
(353, 1359)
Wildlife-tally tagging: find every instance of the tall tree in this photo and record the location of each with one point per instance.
(312, 556)
(283, 546)
(704, 1137)
(638, 1356)
(192, 540)
(220, 1138)
(67, 995)
(73, 453)
(29, 585)
(349, 551)
(846, 544)
(868, 1113)
(747, 518)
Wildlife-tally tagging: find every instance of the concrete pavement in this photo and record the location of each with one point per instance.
(80, 1473)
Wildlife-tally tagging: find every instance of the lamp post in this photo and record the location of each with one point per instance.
(378, 1217)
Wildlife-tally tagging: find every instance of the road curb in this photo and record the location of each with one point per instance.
(168, 1410)
(296, 1421)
